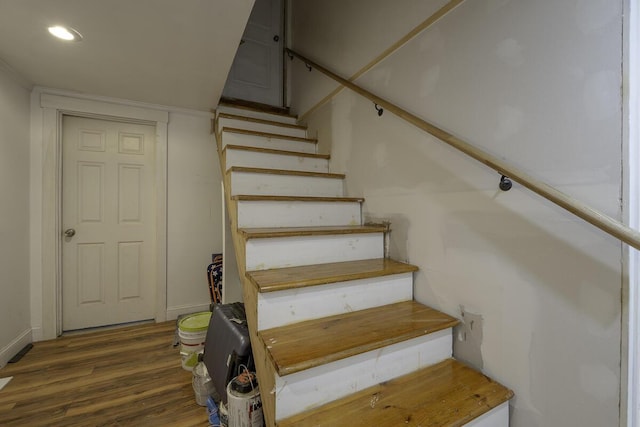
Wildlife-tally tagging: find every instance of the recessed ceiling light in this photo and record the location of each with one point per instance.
(65, 33)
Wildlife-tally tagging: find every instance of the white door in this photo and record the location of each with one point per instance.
(256, 73)
(108, 222)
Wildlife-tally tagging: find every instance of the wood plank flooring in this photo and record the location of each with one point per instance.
(120, 377)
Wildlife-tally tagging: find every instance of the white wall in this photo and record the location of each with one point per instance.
(537, 83)
(15, 330)
(194, 212)
(327, 37)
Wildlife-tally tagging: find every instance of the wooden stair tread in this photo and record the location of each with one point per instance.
(312, 343)
(446, 394)
(260, 198)
(270, 232)
(257, 107)
(261, 121)
(285, 172)
(268, 135)
(273, 151)
(312, 275)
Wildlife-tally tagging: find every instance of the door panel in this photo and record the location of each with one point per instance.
(256, 73)
(129, 274)
(90, 192)
(130, 194)
(90, 273)
(108, 200)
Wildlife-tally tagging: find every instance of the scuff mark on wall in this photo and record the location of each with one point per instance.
(467, 339)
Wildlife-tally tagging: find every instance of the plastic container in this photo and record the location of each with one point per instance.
(202, 385)
(192, 331)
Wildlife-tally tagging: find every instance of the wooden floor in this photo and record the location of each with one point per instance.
(121, 377)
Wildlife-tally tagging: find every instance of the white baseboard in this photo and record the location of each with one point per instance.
(11, 349)
(174, 312)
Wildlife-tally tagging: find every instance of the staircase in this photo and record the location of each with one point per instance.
(337, 337)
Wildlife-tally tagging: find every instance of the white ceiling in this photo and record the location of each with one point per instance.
(168, 52)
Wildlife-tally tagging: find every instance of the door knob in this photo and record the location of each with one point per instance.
(69, 232)
(276, 38)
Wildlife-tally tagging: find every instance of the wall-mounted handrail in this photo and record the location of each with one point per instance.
(598, 219)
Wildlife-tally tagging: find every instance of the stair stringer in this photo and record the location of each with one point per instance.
(264, 368)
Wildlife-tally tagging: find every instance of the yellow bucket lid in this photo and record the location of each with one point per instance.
(196, 322)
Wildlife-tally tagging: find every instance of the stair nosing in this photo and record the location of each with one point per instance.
(277, 112)
(266, 198)
(275, 232)
(295, 273)
(261, 121)
(385, 397)
(285, 172)
(278, 152)
(346, 352)
(268, 134)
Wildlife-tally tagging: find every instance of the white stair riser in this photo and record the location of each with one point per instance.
(261, 127)
(256, 159)
(232, 138)
(297, 214)
(266, 253)
(497, 417)
(296, 305)
(256, 114)
(249, 183)
(313, 387)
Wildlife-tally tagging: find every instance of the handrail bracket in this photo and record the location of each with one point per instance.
(505, 183)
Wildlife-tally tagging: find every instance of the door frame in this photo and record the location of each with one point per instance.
(53, 107)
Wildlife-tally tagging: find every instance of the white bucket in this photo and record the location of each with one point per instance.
(192, 331)
(245, 409)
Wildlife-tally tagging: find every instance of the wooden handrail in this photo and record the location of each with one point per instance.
(598, 219)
